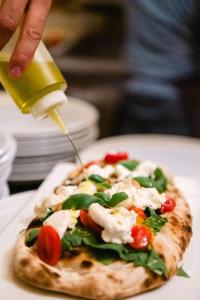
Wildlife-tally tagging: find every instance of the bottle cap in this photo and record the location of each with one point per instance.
(48, 102)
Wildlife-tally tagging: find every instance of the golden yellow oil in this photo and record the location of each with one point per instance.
(55, 116)
(40, 79)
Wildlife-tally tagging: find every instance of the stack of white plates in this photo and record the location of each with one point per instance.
(7, 154)
(40, 145)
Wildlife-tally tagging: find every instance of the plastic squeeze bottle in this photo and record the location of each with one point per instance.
(41, 87)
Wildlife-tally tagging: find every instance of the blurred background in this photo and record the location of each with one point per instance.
(136, 61)
(132, 67)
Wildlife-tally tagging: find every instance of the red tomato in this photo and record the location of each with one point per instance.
(87, 221)
(113, 158)
(84, 217)
(139, 211)
(49, 245)
(168, 206)
(142, 236)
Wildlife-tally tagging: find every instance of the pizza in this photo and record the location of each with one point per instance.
(117, 229)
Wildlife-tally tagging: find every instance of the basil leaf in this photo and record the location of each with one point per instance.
(96, 178)
(106, 257)
(102, 186)
(80, 201)
(70, 240)
(117, 198)
(158, 180)
(155, 221)
(182, 273)
(130, 164)
(111, 202)
(144, 181)
(147, 259)
(156, 264)
(32, 237)
(104, 198)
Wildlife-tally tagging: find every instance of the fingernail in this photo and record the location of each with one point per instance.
(15, 71)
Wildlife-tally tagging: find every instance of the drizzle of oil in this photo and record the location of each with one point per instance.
(55, 116)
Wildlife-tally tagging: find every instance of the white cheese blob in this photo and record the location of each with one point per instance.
(62, 219)
(117, 223)
(125, 186)
(148, 197)
(104, 172)
(122, 171)
(145, 168)
(139, 197)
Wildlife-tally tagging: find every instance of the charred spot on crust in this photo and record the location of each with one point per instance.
(24, 262)
(87, 264)
(71, 254)
(183, 242)
(47, 271)
(148, 282)
(151, 280)
(187, 228)
(56, 275)
(188, 216)
(114, 278)
(174, 220)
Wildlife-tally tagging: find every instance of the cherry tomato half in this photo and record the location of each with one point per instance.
(139, 211)
(49, 245)
(113, 158)
(142, 236)
(168, 206)
(87, 221)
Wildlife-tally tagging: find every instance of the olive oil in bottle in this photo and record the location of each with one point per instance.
(40, 89)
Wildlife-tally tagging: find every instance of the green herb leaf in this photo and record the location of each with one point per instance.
(117, 198)
(104, 198)
(106, 257)
(96, 178)
(158, 180)
(182, 273)
(155, 222)
(32, 237)
(148, 259)
(145, 181)
(80, 201)
(130, 164)
(156, 264)
(102, 186)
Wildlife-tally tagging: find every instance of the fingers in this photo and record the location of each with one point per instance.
(11, 12)
(30, 37)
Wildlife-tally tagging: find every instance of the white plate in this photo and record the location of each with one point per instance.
(4, 191)
(181, 154)
(56, 147)
(8, 149)
(34, 175)
(177, 288)
(77, 114)
(11, 205)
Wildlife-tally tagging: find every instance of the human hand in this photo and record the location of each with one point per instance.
(35, 14)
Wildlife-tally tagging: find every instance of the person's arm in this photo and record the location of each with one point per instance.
(35, 14)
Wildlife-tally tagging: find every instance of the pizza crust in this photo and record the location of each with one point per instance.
(78, 274)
